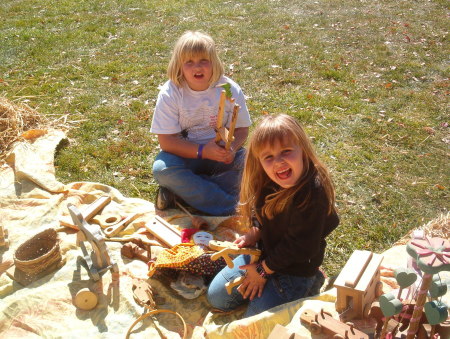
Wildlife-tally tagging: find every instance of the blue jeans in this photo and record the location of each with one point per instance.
(279, 289)
(207, 185)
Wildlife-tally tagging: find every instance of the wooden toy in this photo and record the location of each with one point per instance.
(141, 237)
(390, 306)
(398, 322)
(132, 251)
(405, 277)
(441, 330)
(4, 242)
(324, 323)
(281, 332)
(113, 230)
(107, 220)
(85, 300)
(89, 212)
(197, 222)
(143, 293)
(164, 231)
(432, 256)
(227, 249)
(222, 134)
(99, 261)
(438, 287)
(358, 285)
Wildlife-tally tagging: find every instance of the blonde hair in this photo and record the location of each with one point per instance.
(190, 44)
(271, 129)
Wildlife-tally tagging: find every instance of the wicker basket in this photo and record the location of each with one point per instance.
(38, 253)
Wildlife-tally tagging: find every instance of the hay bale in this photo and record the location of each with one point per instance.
(15, 119)
(436, 228)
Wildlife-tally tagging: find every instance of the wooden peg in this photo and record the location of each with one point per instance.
(230, 136)
(220, 114)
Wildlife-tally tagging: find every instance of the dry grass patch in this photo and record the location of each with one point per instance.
(15, 119)
(20, 121)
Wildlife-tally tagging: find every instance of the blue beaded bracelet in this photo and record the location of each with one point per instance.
(199, 151)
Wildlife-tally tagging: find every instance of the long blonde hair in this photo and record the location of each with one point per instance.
(193, 44)
(272, 129)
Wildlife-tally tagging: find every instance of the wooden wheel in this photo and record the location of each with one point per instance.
(85, 300)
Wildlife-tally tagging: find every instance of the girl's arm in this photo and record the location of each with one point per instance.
(240, 136)
(254, 283)
(172, 143)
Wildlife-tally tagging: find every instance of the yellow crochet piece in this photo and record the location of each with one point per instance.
(176, 256)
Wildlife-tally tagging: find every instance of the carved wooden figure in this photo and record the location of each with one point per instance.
(227, 249)
(98, 261)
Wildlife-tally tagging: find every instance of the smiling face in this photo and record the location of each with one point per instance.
(282, 162)
(197, 71)
(202, 238)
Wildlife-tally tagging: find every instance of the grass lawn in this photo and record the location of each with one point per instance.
(368, 79)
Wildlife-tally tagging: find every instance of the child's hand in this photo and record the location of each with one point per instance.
(230, 156)
(213, 151)
(245, 241)
(248, 240)
(253, 284)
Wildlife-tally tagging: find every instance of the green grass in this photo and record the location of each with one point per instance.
(368, 79)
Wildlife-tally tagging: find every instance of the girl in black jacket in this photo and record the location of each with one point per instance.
(290, 192)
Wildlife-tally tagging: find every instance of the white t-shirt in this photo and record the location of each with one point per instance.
(195, 112)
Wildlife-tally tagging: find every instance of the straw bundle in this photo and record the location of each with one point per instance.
(436, 228)
(14, 120)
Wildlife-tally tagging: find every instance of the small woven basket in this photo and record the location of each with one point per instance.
(38, 253)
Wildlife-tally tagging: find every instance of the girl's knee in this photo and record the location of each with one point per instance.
(165, 164)
(219, 298)
(158, 167)
(216, 297)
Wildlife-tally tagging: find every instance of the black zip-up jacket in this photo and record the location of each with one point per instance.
(293, 242)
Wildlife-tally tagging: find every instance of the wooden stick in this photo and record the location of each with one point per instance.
(220, 114)
(384, 330)
(181, 207)
(88, 213)
(232, 126)
(197, 222)
(418, 308)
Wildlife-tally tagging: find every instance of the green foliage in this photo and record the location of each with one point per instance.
(368, 79)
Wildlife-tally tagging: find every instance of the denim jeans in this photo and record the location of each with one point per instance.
(279, 289)
(207, 185)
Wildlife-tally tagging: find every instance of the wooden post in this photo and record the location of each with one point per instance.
(418, 309)
(220, 114)
(232, 126)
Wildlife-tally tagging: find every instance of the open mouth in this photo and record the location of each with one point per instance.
(284, 174)
(198, 75)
